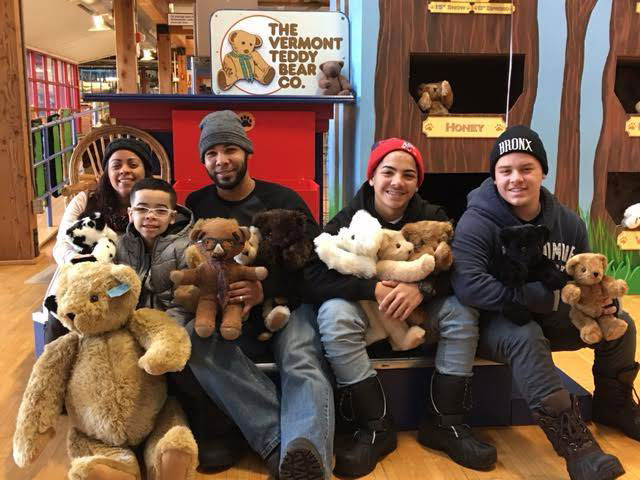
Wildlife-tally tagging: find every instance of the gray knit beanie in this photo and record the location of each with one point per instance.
(222, 127)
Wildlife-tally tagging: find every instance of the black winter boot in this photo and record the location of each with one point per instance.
(560, 420)
(443, 426)
(220, 443)
(375, 436)
(613, 402)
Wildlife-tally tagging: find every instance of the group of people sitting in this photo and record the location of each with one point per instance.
(232, 405)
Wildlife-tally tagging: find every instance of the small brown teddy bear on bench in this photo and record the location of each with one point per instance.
(586, 293)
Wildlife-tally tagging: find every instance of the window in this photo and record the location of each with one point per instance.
(53, 84)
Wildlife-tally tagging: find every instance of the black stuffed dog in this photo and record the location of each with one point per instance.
(522, 260)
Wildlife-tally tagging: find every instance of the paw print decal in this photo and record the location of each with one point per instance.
(247, 120)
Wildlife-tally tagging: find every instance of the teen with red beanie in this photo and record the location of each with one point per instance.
(395, 172)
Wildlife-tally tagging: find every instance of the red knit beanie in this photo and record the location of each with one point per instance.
(388, 145)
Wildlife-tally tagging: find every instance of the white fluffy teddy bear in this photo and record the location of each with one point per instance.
(631, 218)
(365, 249)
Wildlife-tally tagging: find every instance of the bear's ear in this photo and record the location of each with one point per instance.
(197, 233)
(245, 233)
(571, 265)
(543, 233)
(232, 36)
(341, 63)
(127, 275)
(603, 259)
(258, 41)
(322, 65)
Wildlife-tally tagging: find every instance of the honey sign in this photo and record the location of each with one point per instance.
(632, 127)
(451, 126)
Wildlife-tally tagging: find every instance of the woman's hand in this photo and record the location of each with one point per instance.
(249, 293)
(401, 301)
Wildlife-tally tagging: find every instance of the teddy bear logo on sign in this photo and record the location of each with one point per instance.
(244, 62)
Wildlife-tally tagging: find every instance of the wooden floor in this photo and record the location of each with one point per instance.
(523, 452)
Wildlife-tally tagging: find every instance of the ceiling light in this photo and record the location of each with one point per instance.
(98, 24)
(147, 56)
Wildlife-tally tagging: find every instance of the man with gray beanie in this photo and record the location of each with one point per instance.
(514, 196)
(293, 431)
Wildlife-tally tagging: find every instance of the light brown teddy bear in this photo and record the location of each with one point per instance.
(586, 294)
(219, 240)
(394, 264)
(107, 371)
(243, 62)
(435, 98)
(331, 82)
(432, 237)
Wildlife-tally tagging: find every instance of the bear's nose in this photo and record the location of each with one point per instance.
(595, 274)
(71, 316)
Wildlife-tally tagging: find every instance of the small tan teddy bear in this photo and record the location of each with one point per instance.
(432, 237)
(243, 62)
(586, 294)
(435, 98)
(108, 373)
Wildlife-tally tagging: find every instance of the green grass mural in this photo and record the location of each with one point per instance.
(623, 264)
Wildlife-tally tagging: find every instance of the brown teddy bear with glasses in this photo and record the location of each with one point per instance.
(218, 241)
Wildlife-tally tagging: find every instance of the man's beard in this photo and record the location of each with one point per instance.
(231, 184)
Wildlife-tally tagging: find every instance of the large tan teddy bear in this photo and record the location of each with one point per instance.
(107, 372)
(435, 98)
(243, 62)
(219, 240)
(586, 294)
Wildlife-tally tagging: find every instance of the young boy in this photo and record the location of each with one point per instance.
(154, 243)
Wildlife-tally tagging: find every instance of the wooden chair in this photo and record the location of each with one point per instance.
(85, 165)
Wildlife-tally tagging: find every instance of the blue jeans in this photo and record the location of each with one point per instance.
(527, 350)
(305, 407)
(343, 323)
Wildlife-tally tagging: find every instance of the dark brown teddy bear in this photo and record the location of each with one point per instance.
(331, 82)
(219, 240)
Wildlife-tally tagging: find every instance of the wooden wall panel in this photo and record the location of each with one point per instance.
(17, 222)
(577, 13)
(616, 152)
(407, 27)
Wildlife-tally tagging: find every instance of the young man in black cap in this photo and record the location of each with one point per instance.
(514, 196)
(292, 431)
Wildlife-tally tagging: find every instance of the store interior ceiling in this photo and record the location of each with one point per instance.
(69, 38)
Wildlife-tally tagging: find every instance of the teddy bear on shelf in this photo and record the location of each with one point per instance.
(586, 294)
(279, 238)
(523, 260)
(91, 236)
(219, 240)
(243, 62)
(631, 220)
(435, 98)
(113, 406)
(331, 81)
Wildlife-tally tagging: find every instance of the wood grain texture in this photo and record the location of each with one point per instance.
(616, 151)
(164, 60)
(17, 221)
(406, 27)
(577, 14)
(126, 59)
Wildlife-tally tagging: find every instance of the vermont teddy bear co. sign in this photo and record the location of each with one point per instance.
(275, 52)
